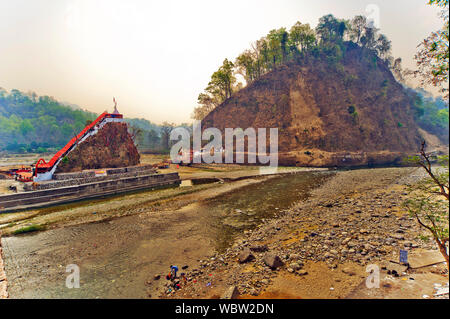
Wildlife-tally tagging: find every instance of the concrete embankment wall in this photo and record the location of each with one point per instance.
(109, 171)
(89, 190)
(86, 177)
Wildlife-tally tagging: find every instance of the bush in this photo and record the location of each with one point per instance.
(28, 229)
(351, 109)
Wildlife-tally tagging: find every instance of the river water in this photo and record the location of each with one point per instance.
(117, 258)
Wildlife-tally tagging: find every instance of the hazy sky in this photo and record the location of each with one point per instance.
(155, 57)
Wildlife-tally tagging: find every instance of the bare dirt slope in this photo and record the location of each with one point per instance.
(433, 144)
(349, 113)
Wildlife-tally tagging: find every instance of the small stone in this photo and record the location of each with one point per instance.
(407, 244)
(352, 244)
(348, 271)
(259, 248)
(295, 266)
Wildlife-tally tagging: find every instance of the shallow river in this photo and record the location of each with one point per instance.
(117, 258)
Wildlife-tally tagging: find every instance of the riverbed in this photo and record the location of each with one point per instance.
(116, 257)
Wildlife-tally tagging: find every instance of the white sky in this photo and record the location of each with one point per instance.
(155, 57)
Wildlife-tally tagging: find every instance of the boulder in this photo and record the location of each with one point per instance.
(273, 261)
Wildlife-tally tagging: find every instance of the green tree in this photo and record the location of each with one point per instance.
(369, 39)
(302, 36)
(222, 81)
(331, 29)
(246, 65)
(219, 89)
(206, 103)
(433, 56)
(429, 201)
(357, 27)
(276, 45)
(383, 46)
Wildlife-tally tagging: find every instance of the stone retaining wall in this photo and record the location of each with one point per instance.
(109, 171)
(89, 190)
(73, 179)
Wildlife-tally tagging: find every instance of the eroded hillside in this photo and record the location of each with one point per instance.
(352, 112)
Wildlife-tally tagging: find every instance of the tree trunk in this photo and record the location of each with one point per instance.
(444, 253)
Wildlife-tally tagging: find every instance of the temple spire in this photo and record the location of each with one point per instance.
(115, 106)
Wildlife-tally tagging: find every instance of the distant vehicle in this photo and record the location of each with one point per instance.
(163, 165)
(197, 155)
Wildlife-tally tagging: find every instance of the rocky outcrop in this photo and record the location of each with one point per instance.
(111, 147)
(345, 114)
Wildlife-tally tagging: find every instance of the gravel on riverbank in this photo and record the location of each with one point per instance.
(324, 244)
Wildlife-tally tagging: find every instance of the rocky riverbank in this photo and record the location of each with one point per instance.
(117, 242)
(321, 247)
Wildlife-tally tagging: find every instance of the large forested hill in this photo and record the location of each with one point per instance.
(335, 94)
